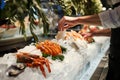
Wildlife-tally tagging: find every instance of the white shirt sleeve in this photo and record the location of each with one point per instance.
(110, 18)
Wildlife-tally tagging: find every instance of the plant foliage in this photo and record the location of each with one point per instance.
(17, 10)
(82, 7)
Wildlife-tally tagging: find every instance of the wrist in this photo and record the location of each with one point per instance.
(93, 34)
(79, 20)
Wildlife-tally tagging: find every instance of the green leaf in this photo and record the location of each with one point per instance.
(63, 49)
(45, 55)
(46, 28)
(58, 57)
(54, 57)
(32, 32)
(17, 10)
(61, 57)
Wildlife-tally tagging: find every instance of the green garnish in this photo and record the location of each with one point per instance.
(59, 57)
(45, 55)
(54, 57)
(63, 49)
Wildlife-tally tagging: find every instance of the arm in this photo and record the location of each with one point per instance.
(67, 22)
(90, 20)
(102, 32)
(108, 19)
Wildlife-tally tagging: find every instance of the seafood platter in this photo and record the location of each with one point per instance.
(63, 58)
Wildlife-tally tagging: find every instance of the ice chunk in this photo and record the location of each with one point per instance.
(9, 59)
(60, 35)
(2, 70)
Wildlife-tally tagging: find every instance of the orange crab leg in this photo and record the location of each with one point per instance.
(47, 65)
(42, 70)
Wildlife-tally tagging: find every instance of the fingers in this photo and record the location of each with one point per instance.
(62, 24)
(66, 22)
(64, 27)
(87, 35)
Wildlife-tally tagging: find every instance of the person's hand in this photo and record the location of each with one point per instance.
(88, 34)
(67, 22)
(88, 37)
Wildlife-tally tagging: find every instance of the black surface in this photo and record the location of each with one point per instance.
(11, 48)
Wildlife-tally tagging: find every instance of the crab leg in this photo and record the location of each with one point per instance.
(43, 70)
(47, 65)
